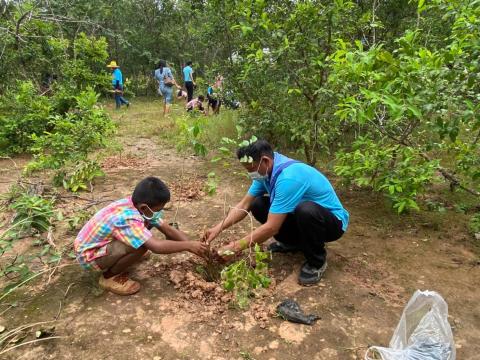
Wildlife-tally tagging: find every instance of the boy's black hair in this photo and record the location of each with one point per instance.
(255, 150)
(201, 97)
(151, 191)
(179, 93)
(189, 63)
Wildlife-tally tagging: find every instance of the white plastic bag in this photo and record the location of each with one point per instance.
(423, 332)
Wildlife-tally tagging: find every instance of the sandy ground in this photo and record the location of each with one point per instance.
(373, 271)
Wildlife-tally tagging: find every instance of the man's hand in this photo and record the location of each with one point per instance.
(198, 248)
(211, 234)
(228, 252)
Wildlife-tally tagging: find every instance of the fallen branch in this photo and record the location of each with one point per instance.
(181, 190)
(9, 158)
(50, 238)
(31, 342)
(73, 196)
(53, 271)
(61, 303)
(96, 202)
(21, 328)
(30, 278)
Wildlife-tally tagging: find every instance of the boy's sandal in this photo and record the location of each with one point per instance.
(119, 284)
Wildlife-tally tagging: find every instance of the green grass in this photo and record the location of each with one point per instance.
(144, 119)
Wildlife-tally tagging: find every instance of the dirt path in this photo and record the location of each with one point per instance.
(373, 271)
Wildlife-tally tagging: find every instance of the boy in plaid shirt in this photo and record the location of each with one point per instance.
(118, 236)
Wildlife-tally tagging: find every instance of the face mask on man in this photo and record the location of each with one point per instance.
(155, 219)
(255, 175)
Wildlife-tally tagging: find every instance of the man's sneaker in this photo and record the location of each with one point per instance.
(278, 247)
(310, 275)
(119, 284)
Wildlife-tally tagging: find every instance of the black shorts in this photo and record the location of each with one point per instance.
(213, 102)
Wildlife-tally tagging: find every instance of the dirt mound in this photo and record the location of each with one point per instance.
(190, 188)
(123, 162)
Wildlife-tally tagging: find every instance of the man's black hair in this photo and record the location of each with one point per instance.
(189, 63)
(151, 191)
(256, 150)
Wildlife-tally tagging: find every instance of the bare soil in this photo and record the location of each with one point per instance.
(373, 271)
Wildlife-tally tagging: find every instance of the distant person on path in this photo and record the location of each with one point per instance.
(166, 81)
(117, 82)
(302, 211)
(118, 236)
(188, 79)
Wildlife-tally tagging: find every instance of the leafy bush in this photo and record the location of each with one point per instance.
(393, 170)
(23, 113)
(73, 135)
(190, 129)
(33, 111)
(242, 278)
(80, 177)
(32, 214)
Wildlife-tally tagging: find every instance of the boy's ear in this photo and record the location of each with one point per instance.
(142, 207)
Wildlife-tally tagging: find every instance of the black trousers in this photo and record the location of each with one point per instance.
(308, 228)
(189, 87)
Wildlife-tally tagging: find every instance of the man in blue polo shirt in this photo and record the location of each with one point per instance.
(294, 202)
(188, 79)
(117, 83)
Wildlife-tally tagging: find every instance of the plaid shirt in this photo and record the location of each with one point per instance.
(118, 221)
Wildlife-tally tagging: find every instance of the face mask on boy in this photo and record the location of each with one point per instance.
(156, 218)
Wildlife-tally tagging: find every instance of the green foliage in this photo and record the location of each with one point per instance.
(394, 170)
(211, 185)
(22, 114)
(242, 278)
(190, 128)
(474, 224)
(412, 111)
(73, 135)
(79, 219)
(246, 355)
(32, 212)
(228, 148)
(81, 177)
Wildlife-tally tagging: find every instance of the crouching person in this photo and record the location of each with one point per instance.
(118, 236)
(294, 202)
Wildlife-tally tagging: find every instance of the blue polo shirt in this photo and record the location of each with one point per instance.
(187, 71)
(297, 183)
(117, 75)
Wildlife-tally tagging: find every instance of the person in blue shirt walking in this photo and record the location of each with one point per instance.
(188, 79)
(117, 83)
(294, 202)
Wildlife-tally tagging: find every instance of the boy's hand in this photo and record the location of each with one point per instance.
(211, 234)
(198, 248)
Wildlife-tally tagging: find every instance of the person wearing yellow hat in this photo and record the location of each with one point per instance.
(117, 82)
